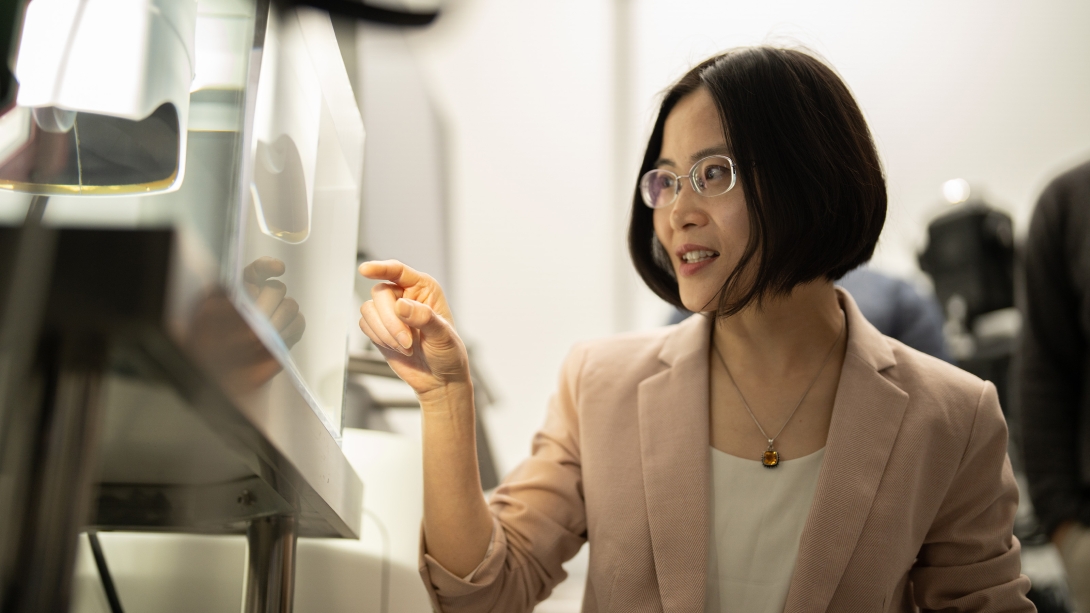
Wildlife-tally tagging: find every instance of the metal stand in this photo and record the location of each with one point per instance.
(270, 565)
(80, 305)
(65, 466)
(49, 417)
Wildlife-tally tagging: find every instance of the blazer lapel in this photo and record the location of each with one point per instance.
(866, 417)
(674, 440)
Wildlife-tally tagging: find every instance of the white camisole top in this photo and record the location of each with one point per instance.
(758, 514)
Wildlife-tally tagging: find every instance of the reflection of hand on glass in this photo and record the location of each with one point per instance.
(270, 297)
(229, 348)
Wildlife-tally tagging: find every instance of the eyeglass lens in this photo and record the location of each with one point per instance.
(711, 176)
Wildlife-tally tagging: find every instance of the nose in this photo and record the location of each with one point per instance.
(687, 211)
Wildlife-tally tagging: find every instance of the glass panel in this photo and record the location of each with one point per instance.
(298, 230)
(106, 84)
(65, 152)
(283, 234)
(109, 170)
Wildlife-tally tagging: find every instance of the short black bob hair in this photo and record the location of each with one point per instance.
(806, 161)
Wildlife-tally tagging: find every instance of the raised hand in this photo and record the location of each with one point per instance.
(270, 296)
(408, 319)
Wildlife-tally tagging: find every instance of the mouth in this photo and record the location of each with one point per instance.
(698, 255)
(694, 258)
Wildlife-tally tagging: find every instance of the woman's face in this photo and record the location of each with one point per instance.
(704, 237)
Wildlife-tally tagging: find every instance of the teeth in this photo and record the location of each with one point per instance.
(698, 256)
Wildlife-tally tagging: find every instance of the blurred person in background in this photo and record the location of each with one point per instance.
(1055, 408)
(893, 306)
(898, 310)
(776, 452)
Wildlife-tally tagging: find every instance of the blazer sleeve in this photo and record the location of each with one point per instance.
(970, 559)
(539, 519)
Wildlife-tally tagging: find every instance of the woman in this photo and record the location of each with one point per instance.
(775, 452)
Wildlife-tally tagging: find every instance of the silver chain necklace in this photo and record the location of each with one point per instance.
(771, 457)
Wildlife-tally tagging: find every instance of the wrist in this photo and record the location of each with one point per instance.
(450, 397)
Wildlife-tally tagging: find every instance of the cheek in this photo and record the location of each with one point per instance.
(660, 220)
(662, 226)
(733, 222)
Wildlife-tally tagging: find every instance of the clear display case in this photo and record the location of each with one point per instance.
(179, 196)
(265, 192)
(301, 216)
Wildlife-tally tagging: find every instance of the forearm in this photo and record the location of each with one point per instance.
(457, 522)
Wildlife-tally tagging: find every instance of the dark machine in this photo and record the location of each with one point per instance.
(970, 258)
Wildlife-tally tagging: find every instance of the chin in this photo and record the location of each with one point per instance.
(698, 303)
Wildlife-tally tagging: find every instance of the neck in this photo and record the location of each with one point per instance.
(785, 333)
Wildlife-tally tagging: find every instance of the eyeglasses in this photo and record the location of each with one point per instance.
(710, 176)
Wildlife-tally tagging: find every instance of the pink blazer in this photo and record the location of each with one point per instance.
(913, 510)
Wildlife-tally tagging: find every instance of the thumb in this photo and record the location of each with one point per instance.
(420, 316)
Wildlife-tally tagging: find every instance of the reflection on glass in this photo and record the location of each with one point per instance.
(279, 190)
(271, 298)
(289, 248)
(303, 212)
(287, 117)
(54, 119)
(88, 153)
(103, 97)
(236, 355)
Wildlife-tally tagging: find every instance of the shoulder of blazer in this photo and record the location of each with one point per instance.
(630, 357)
(934, 385)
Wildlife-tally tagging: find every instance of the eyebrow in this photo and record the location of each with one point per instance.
(703, 153)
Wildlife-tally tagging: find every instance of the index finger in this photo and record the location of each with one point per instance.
(393, 271)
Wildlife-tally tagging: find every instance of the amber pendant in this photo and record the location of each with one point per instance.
(771, 458)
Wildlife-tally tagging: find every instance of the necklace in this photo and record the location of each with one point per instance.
(771, 457)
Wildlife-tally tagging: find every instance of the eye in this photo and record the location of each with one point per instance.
(714, 176)
(659, 188)
(715, 172)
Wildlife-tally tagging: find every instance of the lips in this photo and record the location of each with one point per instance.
(694, 258)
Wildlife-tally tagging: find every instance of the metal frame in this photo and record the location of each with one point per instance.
(91, 309)
(90, 305)
(270, 565)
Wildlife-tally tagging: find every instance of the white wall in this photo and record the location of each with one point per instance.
(993, 91)
(524, 90)
(404, 170)
(546, 110)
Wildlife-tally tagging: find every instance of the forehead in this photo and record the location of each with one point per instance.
(692, 125)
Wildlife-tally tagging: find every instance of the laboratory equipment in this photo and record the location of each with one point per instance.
(160, 369)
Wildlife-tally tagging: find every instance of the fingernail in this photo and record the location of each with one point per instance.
(404, 309)
(405, 339)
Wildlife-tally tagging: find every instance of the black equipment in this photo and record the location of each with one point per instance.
(970, 255)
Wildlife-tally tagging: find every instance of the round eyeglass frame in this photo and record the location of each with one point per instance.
(645, 181)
